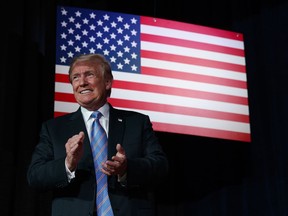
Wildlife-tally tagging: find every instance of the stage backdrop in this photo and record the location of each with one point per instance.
(189, 79)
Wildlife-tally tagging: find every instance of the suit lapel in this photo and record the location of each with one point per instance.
(116, 131)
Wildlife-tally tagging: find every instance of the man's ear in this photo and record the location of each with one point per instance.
(108, 84)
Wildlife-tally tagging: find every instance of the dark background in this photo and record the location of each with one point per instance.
(208, 177)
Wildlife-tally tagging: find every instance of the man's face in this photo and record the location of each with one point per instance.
(89, 86)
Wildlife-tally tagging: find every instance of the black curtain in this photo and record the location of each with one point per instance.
(208, 177)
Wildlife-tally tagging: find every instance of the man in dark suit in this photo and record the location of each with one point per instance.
(63, 162)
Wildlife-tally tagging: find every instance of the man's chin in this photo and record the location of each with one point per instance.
(91, 104)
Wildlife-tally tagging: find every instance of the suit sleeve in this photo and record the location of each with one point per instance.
(148, 164)
(45, 171)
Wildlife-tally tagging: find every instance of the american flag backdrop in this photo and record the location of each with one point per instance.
(189, 79)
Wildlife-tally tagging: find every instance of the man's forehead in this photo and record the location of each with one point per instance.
(81, 68)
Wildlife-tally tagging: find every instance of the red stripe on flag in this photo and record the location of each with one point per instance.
(57, 114)
(62, 78)
(181, 129)
(178, 110)
(163, 108)
(176, 74)
(193, 77)
(171, 91)
(192, 44)
(179, 92)
(65, 97)
(191, 28)
(193, 61)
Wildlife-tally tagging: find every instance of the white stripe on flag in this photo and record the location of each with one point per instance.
(191, 36)
(193, 69)
(197, 53)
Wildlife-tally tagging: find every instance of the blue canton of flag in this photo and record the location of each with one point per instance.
(115, 35)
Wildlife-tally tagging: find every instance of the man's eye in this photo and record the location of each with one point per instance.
(75, 77)
(91, 75)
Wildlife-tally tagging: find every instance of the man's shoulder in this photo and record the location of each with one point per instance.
(128, 113)
(66, 117)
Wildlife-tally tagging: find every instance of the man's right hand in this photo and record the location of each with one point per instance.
(74, 150)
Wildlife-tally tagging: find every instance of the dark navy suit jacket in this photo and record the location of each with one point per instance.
(147, 165)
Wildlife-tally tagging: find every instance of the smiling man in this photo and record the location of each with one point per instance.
(67, 160)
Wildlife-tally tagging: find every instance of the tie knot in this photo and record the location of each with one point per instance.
(96, 115)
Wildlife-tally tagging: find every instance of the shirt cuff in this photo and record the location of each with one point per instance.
(70, 175)
(123, 180)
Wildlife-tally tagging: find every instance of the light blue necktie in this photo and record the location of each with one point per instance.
(99, 148)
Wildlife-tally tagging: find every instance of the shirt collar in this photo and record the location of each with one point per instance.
(104, 110)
